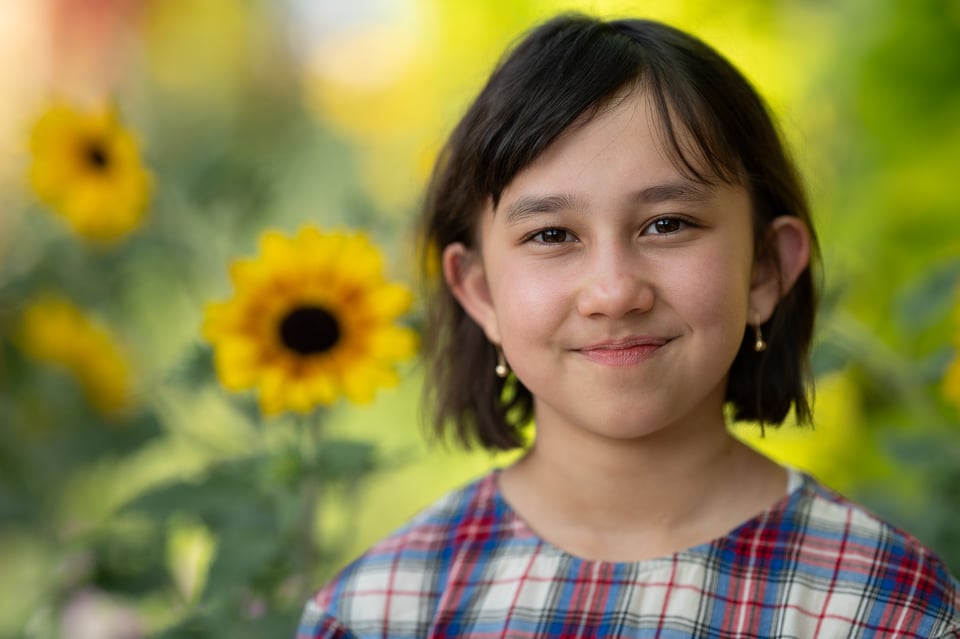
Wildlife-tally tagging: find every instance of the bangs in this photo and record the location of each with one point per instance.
(692, 138)
(688, 133)
(570, 75)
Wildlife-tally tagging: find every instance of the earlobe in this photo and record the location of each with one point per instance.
(788, 242)
(465, 276)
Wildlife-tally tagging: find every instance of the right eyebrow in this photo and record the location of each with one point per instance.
(531, 205)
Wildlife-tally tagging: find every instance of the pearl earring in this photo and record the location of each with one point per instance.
(501, 369)
(759, 345)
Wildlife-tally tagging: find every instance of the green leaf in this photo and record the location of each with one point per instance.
(930, 298)
(827, 357)
(195, 369)
(345, 459)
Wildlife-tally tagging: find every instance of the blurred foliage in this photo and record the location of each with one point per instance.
(181, 511)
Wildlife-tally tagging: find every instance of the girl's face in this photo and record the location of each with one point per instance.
(619, 290)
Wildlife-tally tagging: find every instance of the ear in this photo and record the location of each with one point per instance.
(788, 254)
(464, 273)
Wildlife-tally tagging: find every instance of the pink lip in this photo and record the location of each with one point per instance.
(623, 352)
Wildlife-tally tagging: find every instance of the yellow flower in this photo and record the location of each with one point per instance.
(840, 450)
(951, 383)
(56, 332)
(312, 319)
(87, 168)
(951, 380)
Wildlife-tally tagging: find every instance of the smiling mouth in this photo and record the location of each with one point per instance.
(623, 353)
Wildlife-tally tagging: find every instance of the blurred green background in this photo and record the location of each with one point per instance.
(139, 498)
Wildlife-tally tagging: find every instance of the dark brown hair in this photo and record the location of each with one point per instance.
(564, 72)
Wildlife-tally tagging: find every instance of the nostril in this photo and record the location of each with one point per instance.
(616, 296)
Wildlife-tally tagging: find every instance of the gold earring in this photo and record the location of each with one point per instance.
(759, 345)
(501, 369)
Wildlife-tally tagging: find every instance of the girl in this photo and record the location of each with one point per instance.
(625, 260)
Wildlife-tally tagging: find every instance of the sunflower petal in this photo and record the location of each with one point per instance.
(390, 301)
(334, 278)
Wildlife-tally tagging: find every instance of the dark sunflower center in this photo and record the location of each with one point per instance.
(309, 330)
(96, 156)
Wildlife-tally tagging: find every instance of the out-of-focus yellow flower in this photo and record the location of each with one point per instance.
(87, 168)
(56, 332)
(312, 319)
(951, 381)
(839, 450)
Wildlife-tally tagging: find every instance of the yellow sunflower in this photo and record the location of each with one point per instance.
(87, 168)
(54, 331)
(312, 319)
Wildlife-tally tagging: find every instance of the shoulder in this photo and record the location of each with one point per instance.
(830, 520)
(851, 565)
(401, 578)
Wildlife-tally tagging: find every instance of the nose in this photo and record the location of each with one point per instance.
(615, 283)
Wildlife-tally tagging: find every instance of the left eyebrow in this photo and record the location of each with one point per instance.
(684, 191)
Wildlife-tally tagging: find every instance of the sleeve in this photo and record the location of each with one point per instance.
(317, 624)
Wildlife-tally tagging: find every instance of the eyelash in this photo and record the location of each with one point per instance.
(683, 221)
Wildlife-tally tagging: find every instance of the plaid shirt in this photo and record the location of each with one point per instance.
(812, 565)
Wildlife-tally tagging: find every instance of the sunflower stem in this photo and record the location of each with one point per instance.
(311, 431)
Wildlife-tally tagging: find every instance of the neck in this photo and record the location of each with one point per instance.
(629, 499)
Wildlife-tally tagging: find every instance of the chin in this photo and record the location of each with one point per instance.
(617, 428)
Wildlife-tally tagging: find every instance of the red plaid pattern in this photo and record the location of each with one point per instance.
(812, 565)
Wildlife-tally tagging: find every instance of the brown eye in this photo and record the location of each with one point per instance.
(667, 225)
(552, 236)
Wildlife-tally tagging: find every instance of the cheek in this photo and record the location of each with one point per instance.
(715, 289)
(527, 301)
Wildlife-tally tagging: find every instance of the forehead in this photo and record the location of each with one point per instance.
(632, 122)
(622, 142)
